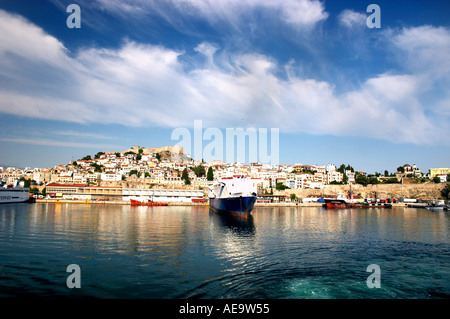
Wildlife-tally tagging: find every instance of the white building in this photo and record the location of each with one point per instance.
(111, 177)
(162, 195)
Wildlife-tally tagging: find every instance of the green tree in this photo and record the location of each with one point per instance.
(26, 182)
(210, 174)
(97, 167)
(97, 156)
(446, 192)
(293, 197)
(392, 180)
(436, 179)
(86, 158)
(280, 187)
(158, 157)
(185, 177)
(401, 169)
(345, 179)
(341, 169)
(133, 172)
(199, 170)
(361, 179)
(117, 154)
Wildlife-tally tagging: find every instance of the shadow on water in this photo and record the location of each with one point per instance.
(241, 226)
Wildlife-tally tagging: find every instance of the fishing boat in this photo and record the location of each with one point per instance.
(341, 201)
(436, 205)
(234, 195)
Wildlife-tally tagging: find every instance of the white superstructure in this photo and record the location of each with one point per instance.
(235, 186)
(14, 193)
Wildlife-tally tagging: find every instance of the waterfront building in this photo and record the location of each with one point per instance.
(163, 195)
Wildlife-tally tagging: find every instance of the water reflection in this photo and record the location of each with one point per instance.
(159, 252)
(239, 226)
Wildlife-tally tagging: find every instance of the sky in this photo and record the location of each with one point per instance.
(337, 90)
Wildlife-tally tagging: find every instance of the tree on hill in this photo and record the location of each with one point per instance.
(446, 192)
(97, 156)
(199, 170)
(185, 177)
(280, 187)
(210, 174)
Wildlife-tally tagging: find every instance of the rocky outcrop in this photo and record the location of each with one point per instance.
(419, 191)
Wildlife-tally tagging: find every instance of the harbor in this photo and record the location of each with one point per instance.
(180, 252)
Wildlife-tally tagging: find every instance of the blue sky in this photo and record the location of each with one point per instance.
(338, 91)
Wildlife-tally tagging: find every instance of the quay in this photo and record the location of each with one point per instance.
(121, 202)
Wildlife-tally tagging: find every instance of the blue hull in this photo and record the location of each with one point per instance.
(241, 206)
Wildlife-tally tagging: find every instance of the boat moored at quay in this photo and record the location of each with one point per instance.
(14, 193)
(341, 202)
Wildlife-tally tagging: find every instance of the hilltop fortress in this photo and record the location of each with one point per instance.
(179, 150)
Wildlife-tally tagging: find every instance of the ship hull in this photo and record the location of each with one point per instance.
(241, 206)
(13, 196)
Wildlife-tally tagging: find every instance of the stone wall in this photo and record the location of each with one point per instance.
(419, 191)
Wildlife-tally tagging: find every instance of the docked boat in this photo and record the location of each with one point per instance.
(135, 202)
(234, 195)
(437, 205)
(341, 201)
(14, 193)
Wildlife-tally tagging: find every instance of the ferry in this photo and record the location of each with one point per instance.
(234, 195)
(14, 193)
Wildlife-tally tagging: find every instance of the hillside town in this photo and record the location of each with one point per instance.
(169, 168)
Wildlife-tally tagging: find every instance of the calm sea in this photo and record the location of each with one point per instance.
(189, 252)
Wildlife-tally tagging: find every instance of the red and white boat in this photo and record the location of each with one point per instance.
(135, 202)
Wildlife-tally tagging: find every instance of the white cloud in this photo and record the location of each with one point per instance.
(147, 85)
(299, 13)
(50, 142)
(424, 50)
(350, 18)
(33, 41)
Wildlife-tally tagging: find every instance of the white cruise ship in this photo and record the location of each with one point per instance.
(14, 193)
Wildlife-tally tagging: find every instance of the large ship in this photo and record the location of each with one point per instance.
(14, 193)
(234, 195)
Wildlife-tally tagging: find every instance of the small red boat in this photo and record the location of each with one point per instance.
(341, 201)
(135, 202)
